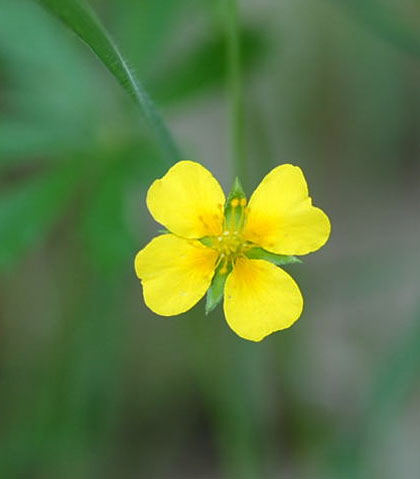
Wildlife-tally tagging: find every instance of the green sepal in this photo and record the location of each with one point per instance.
(236, 192)
(164, 231)
(234, 215)
(216, 290)
(278, 259)
(207, 241)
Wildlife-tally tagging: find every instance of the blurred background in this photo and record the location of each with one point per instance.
(93, 385)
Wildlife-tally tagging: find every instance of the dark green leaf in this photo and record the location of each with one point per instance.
(81, 19)
(279, 259)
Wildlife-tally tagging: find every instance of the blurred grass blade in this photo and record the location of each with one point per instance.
(105, 227)
(81, 19)
(27, 213)
(386, 22)
(203, 67)
(396, 377)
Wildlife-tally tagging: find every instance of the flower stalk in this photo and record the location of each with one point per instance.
(234, 87)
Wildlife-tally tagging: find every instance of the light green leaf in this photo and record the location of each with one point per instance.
(279, 259)
(81, 19)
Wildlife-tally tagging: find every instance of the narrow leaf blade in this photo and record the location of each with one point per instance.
(81, 19)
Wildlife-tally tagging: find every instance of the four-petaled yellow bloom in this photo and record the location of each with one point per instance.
(207, 234)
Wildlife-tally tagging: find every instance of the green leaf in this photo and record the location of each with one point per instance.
(20, 139)
(216, 290)
(387, 22)
(279, 259)
(146, 26)
(105, 224)
(203, 67)
(81, 19)
(28, 212)
(38, 121)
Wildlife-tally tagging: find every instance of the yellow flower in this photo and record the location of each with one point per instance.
(230, 247)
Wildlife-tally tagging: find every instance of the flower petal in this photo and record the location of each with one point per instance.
(175, 273)
(188, 201)
(281, 218)
(260, 298)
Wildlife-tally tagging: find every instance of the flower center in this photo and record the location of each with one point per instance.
(229, 243)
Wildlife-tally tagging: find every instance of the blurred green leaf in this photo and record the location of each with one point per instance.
(204, 66)
(109, 240)
(396, 376)
(386, 22)
(27, 212)
(144, 27)
(36, 119)
(19, 139)
(107, 221)
(83, 21)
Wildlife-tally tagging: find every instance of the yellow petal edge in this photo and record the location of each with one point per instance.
(188, 201)
(175, 273)
(260, 298)
(281, 218)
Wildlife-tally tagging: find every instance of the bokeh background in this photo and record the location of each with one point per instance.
(92, 385)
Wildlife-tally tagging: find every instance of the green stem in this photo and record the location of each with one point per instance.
(236, 401)
(234, 83)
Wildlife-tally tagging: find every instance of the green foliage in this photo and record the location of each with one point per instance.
(89, 381)
(28, 211)
(38, 121)
(387, 22)
(203, 67)
(109, 240)
(82, 21)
